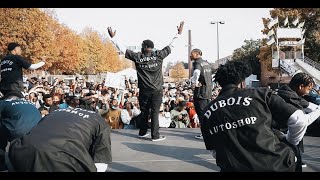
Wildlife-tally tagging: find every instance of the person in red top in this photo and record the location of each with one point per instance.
(194, 120)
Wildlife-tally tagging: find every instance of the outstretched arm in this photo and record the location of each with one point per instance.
(180, 28)
(38, 65)
(121, 47)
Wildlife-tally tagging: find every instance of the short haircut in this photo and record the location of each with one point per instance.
(147, 44)
(46, 96)
(12, 45)
(233, 72)
(13, 93)
(182, 103)
(301, 79)
(197, 51)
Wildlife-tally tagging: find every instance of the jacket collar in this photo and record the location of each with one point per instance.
(229, 89)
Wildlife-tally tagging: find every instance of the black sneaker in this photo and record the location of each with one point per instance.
(159, 139)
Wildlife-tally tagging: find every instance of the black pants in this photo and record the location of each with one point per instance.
(3, 145)
(199, 105)
(150, 100)
(5, 88)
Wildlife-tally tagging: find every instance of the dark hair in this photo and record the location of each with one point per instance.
(12, 45)
(197, 51)
(46, 96)
(147, 44)
(301, 79)
(13, 93)
(126, 102)
(233, 72)
(182, 104)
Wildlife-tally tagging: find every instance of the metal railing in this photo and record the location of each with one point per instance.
(311, 63)
(289, 69)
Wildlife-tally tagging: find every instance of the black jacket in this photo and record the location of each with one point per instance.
(290, 96)
(237, 124)
(205, 91)
(65, 140)
(149, 68)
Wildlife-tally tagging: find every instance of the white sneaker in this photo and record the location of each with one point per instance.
(144, 136)
(159, 139)
(199, 136)
(304, 165)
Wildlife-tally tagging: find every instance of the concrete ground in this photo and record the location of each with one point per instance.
(179, 152)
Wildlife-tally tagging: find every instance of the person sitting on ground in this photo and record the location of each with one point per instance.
(113, 116)
(128, 115)
(180, 116)
(164, 117)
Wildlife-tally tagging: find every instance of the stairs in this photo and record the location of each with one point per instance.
(305, 65)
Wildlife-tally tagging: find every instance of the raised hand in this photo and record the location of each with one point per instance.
(44, 58)
(111, 33)
(180, 27)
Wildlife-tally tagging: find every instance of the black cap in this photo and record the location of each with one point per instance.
(12, 45)
(147, 44)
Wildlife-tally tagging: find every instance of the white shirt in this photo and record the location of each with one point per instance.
(126, 118)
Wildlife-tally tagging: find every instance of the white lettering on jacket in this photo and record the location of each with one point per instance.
(229, 102)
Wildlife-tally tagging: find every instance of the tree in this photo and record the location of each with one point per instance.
(311, 17)
(65, 52)
(178, 71)
(40, 34)
(249, 52)
(28, 27)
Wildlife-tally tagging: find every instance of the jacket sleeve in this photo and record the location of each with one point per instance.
(102, 147)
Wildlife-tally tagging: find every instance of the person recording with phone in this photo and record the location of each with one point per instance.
(179, 115)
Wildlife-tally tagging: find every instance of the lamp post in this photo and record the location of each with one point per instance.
(217, 22)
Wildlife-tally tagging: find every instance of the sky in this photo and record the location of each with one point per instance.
(134, 25)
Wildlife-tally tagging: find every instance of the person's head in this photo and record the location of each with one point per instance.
(128, 105)
(147, 46)
(13, 94)
(189, 105)
(93, 102)
(47, 99)
(195, 54)
(114, 104)
(14, 48)
(56, 99)
(301, 83)
(33, 96)
(182, 105)
(99, 87)
(72, 101)
(233, 72)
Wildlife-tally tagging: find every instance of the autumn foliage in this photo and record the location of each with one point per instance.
(66, 52)
(311, 17)
(178, 71)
